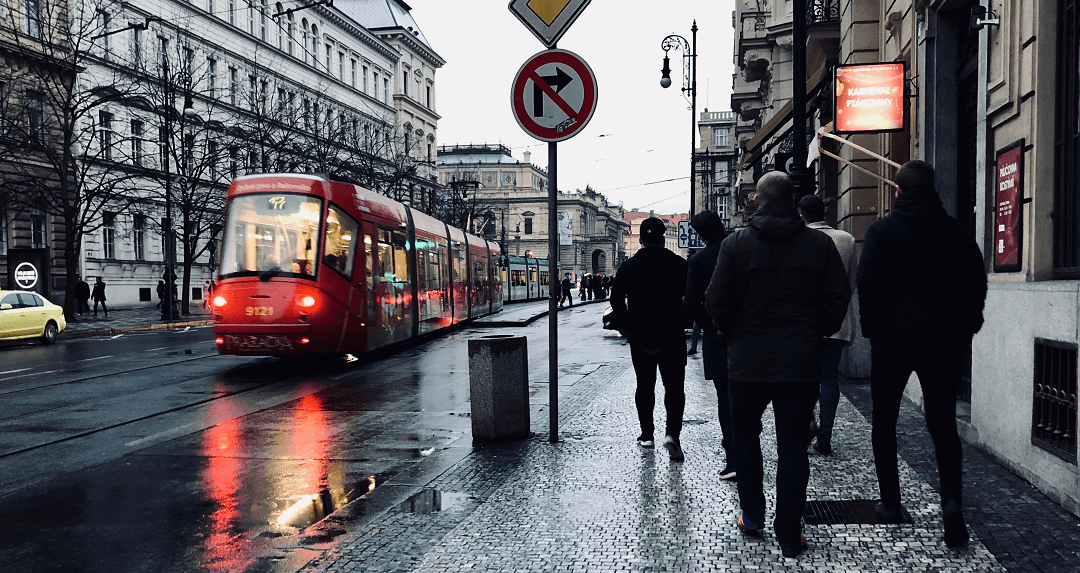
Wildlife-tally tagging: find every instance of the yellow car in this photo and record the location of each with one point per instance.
(28, 315)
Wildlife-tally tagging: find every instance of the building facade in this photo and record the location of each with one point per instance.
(715, 162)
(507, 201)
(631, 241)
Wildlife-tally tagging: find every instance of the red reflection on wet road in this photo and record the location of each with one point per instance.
(225, 548)
(308, 442)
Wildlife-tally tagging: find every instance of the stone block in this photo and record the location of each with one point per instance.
(499, 387)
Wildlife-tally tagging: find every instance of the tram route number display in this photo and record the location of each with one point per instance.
(279, 205)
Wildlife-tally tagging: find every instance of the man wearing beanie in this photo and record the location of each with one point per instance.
(647, 300)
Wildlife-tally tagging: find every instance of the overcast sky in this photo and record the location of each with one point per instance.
(645, 128)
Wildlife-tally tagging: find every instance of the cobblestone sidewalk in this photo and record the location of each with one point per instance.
(598, 502)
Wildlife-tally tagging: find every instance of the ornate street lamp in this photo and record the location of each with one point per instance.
(674, 41)
(168, 307)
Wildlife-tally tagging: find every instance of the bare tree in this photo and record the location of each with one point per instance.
(56, 120)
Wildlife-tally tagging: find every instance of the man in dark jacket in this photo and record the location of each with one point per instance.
(778, 288)
(647, 300)
(82, 296)
(567, 295)
(922, 287)
(699, 271)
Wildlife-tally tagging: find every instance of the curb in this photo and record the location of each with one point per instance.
(122, 329)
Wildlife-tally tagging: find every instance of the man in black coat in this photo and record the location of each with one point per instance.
(699, 271)
(82, 296)
(647, 300)
(922, 287)
(778, 288)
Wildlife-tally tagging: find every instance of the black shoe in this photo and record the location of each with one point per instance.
(728, 473)
(812, 433)
(823, 447)
(691, 352)
(795, 551)
(886, 514)
(748, 528)
(956, 534)
(673, 448)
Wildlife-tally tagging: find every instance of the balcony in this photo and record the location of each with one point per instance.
(822, 12)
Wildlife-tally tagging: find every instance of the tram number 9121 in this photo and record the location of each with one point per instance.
(260, 311)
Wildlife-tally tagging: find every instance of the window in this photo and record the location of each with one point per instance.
(102, 27)
(3, 233)
(212, 159)
(405, 83)
(375, 85)
(314, 45)
(1054, 404)
(282, 98)
(1067, 143)
(251, 17)
(108, 235)
(210, 6)
(211, 77)
(105, 133)
(234, 84)
(232, 12)
(304, 40)
(352, 72)
(720, 172)
(138, 237)
(234, 161)
(278, 8)
(187, 56)
(341, 66)
(3, 108)
(262, 20)
(37, 231)
(340, 246)
(427, 99)
(32, 12)
(163, 52)
(528, 225)
(136, 142)
(720, 137)
(329, 52)
(289, 32)
(136, 47)
(386, 90)
(35, 105)
(365, 79)
(253, 96)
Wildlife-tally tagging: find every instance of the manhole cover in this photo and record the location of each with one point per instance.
(844, 512)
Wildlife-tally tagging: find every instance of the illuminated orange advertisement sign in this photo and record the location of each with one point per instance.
(870, 98)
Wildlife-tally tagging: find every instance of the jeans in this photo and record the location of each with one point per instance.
(938, 365)
(793, 406)
(831, 350)
(695, 334)
(671, 361)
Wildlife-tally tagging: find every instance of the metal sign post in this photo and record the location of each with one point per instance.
(553, 97)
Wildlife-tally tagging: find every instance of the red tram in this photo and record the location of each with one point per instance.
(310, 265)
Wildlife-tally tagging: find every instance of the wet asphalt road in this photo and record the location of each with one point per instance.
(149, 452)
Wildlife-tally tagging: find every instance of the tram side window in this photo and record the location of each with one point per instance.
(532, 274)
(340, 250)
(517, 277)
(479, 282)
(392, 257)
(459, 263)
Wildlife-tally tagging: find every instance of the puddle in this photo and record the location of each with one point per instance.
(428, 501)
(312, 508)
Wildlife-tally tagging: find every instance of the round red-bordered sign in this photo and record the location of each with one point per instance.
(554, 95)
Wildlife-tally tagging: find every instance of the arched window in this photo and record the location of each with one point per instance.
(262, 20)
(251, 17)
(280, 28)
(289, 31)
(304, 40)
(314, 45)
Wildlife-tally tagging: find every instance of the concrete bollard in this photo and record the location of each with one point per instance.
(499, 387)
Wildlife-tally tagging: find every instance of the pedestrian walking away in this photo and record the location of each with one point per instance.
(777, 289)
(812, 211)
(160, 293)
(922, 286)
(699, 271)
(647, 300)
(82, 296)
(99, 297)
(566, 286)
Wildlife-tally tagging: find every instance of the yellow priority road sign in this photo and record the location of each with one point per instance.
(548, 19)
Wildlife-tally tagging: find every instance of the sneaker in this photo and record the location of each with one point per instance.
(728, 473)
(823, 447)
(795, 551)
(886, 514)
(748, 527)
(645, 441)
(691, 352)
(956, 534)
(673, 448)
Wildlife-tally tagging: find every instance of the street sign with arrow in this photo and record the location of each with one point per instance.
(554, 95)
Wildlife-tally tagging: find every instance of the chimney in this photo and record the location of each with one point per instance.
(527, 157)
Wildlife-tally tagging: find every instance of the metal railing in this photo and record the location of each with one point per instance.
(1054, 405)
(822, 11)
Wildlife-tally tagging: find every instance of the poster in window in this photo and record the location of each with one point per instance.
(566, 228)
(1008, 195)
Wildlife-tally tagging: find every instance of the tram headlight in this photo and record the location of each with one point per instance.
(306, 301)
(219, 301)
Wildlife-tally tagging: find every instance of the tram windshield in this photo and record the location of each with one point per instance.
(271, 234)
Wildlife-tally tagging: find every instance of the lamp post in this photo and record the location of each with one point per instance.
(168, 307)
(675, 41)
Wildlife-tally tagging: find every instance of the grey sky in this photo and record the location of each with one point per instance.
(645, 128)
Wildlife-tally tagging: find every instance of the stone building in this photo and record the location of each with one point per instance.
(715, 162)
(671, 235)
(507, 201)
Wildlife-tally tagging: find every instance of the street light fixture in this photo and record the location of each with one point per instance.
(168, 307)
(677, 42)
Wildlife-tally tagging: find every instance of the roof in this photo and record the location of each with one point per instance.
(475, 158)
(382, 14)
(634, 219)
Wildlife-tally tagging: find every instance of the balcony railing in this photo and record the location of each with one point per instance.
(822, 11)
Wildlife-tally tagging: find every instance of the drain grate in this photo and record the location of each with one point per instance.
(844, 512)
